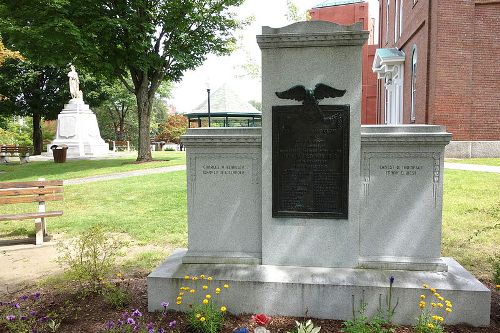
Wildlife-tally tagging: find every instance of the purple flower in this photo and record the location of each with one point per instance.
(33, 313)
(16, 305)
(110, 325)
(36, 296)
(137, 313)
(43, 319)
(23, 317)
(120, 322)
(130, 321)
(151, 330)
(241, 330)
(391, 280)
(172, 323)
(150, 326)
(164, 304)
(125, 315)
(161, 330)
(10, 317)
(24, 297)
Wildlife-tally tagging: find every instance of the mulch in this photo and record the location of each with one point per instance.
(90, 313)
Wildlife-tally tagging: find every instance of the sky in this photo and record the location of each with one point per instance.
(192, 90)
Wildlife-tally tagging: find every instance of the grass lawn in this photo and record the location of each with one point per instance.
(481, 161)
(151, 209)
(471, 203)
(84, 168)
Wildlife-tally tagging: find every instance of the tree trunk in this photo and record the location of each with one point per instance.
(37, 134)
(144, 106)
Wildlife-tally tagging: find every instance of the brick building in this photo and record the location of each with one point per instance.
(347, 12)
(438, 64)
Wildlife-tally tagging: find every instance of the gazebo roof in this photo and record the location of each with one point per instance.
(224, 101)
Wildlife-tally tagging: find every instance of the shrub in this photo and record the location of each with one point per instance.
(307, 327)
(90, 257)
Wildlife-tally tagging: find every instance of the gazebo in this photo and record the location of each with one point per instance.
(227, 109)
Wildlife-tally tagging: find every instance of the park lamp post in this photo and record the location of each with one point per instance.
(208, 103)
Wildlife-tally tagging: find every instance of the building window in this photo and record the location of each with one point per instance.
(387, 10)
(413, 84)
(396, 20)
(401, 17)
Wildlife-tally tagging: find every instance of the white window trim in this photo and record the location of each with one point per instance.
(414, 64)
(401, 17)
(387, 9)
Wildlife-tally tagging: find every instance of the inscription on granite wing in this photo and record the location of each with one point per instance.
(310, 162)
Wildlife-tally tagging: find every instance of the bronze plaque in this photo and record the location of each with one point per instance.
(311, 162)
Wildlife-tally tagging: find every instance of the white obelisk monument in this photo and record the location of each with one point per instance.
(77, 125)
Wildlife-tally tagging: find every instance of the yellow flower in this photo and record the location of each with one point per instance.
(226, 286)
(437, 295)
(195, 278)
(186, 277)
(208, 296)
(421, 304)
(425, 285)
(181, 294)
(433, 290)
(179, 298)
(209, 278)
(433, 304)
(497, 286)
(198, 315)
(205, 287)
(202, 319)
(205, 301)
(440, 298)
(448, 310)
(422, 296)
(430, 325)
(440, 319)
(217, 290)
(440, 305)
(223, 309)
(192, 291)
(435, 317)
(202, 276)
(119, 275)
(178, 302)
(448, 303)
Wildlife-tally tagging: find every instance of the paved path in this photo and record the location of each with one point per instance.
(472, 167)
(125, 174)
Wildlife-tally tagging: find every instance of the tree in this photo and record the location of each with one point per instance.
(39, 91)
(7, 54)
(148, 41)
(118, 107)
(172, 130)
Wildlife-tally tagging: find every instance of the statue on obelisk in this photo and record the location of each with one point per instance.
(74, 84)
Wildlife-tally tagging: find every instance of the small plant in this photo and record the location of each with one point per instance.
(90, 257)
(134, 322)
(495, 263)
(307, 327)
(116, 294)
(431, 319)
(380, 323)
(207, 315)
(21, 316)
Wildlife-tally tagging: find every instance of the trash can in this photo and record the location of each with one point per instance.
(59, 153)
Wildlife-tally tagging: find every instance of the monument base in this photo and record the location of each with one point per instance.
(326, 293)
(77, 128)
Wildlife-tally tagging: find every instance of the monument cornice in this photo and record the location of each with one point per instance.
(312, 40)
(406, 139)
(221, 140)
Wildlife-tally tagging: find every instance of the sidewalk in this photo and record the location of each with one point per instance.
(472, 167)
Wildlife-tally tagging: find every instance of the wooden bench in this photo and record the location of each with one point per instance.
(124, 145)
(28, 192)
(23, 152)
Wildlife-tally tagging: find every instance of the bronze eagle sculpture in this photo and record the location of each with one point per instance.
(311, 97)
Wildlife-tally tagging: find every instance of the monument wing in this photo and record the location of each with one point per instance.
(321, 91)
(298, 93)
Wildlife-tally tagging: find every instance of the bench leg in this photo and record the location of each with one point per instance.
(24, 159)
(39, 232)
(3, 159)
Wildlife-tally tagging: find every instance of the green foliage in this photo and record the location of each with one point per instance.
(90, 257)
(147, 41)
(17, 131)
(307, 327)
(362, 324)
(116, 296)
(495, 263)
(433, 310)
(205, 318)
